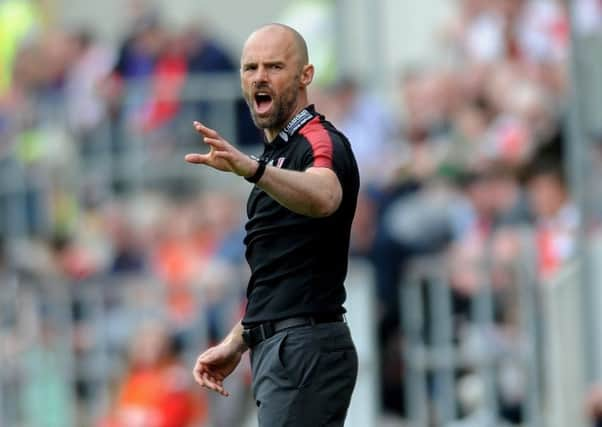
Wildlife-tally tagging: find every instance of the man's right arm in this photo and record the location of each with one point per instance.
(315, 192)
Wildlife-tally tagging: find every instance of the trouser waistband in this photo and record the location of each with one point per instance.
(256, 334)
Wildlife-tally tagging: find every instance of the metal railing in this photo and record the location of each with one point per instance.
(73, 336)
(116, 157)
(456, 360)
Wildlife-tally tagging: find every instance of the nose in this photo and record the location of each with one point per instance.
(260, 77)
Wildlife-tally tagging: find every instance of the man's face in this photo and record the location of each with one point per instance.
(547, 195)
(270, 78)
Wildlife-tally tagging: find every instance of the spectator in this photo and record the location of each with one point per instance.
(168, 78)
(127, 255)
(370, 126)
(136, 61)
(526, 30)
(155, 390)
(476, 33)
(556, 217)
(18, 19)
(205, 54)
(90, 63)
(208, 57)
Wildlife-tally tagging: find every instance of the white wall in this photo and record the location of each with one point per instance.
(381, 36)
(411, 28)
(405, 29)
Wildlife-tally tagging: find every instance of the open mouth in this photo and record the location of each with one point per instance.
(263, 102)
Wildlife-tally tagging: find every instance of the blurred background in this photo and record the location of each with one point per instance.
(474, 289)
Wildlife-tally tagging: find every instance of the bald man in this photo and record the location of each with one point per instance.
(300, 210)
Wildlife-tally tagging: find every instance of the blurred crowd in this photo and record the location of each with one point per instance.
(472, 168)
(468, 165)
(166, 257)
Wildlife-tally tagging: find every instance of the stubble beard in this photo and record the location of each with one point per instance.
(282, 109)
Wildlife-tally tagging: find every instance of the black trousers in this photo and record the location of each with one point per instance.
(304, 376)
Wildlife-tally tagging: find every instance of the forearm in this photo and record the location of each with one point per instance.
(315, 193)
(234, 338)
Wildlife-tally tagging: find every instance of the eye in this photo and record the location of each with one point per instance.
(249, 67)
(276, 66)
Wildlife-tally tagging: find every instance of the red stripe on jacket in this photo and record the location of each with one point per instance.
(320, 141)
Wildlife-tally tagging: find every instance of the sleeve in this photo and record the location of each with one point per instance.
(320, 149)
(322, 154)
(326, 148)
(330, 154)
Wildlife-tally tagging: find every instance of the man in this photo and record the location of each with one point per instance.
(300, 211)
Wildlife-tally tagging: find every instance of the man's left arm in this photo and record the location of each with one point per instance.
(316, 192)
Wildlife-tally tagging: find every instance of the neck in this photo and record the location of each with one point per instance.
(271, 134)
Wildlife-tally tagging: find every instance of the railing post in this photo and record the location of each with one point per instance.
(441, 333)
(483, 315)
(413, 349)
(361, 315)
(531, 329)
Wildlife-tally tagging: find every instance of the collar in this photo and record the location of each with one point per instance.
(293, 126)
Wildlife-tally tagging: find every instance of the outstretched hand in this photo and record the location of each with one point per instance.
(222, 155)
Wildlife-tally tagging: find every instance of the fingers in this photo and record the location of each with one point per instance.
(196, 158)
(213, 159)
(210, 136)
(205, 131)
(209, 381)
(216, 145)
(222, 155)
(214, 384)
(219, 144)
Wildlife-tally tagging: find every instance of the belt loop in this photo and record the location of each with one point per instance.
(312, 320)
(262, 332)
(266, 330)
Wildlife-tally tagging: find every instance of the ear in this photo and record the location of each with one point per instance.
(307, 75)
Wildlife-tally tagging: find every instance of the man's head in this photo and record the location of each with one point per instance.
(275, 73)
(546, 187)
